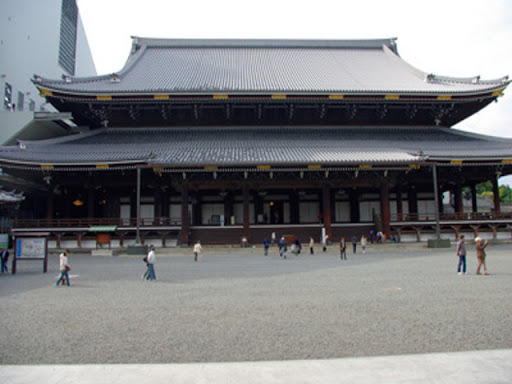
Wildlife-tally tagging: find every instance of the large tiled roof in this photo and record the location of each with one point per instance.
(252, 146)
(161, 66)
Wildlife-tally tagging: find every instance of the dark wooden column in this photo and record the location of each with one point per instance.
(166, 206)
(326, 194)
(247, 226)
(90, 202)
(197, 209)
(474, 204)
(384, 209)
(66, 198)
(185, 228)
(258, 207)
(228, 207)
(457, 196)
(49, 203)
(412, 200)
(294, 207)
(157, 206)
(496, 194)
(133, 205)
(354, 206)
(399, 205)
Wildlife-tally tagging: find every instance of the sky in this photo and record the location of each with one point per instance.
(458, 38)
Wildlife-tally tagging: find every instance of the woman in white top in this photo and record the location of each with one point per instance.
(64, 267)
(197, 250)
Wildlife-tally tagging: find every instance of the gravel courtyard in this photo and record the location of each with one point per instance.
(237, 305)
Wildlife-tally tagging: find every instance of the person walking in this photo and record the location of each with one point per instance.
(266, 244)
(461, 252)
(5, 259)
(354, 243)
(151, 264)
(64, 268)
(282, 247)
(197, 250)
(343, 249)
(311, 245)
(480, 255)
(363, 243)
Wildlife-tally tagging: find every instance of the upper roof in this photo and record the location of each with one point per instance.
(245, 146)
(170, 66)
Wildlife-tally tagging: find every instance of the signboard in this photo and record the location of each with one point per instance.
(31, 248)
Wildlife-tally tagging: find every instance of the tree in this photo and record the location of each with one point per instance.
(485, 189)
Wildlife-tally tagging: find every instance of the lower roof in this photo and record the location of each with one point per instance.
(252, 146)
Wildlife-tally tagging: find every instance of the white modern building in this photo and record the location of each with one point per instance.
(45, 37)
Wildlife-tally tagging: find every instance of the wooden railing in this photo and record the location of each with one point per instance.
(92, 222)
(466, 216)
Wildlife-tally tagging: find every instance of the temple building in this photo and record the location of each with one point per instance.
(223, 140)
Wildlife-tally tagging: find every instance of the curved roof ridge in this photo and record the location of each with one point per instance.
(435, 78)
(480, 136)
(265, 43)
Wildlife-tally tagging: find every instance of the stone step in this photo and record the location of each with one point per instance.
(102, 252)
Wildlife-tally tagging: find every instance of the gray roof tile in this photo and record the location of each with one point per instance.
(268, 66)
(250, 146)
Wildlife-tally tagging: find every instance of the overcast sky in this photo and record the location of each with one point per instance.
(460, 38)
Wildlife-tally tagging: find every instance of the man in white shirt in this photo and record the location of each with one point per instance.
(151, 261)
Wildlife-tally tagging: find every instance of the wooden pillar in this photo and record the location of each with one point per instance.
(457, 194)
(228, 207)
(384, 209)
(294, 207)
(133, 206)
(49, 204)
(496, 195)
(66, 199)
(399, 205)
(185, 227)
(258, 207)
(474, 204)
(90, 202)
(157, 206)
(166, 211)
(354, 206)
(412, 201)
(247, 227)
(197, 209)
(326, 194)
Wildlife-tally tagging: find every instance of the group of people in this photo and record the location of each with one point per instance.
(343, 246)
(150, 259)
(480, 255)
(297, 246)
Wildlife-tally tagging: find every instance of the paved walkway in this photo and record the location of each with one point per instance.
(489, 367)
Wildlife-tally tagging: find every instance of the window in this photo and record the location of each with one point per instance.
(8, 96)
(68, 32)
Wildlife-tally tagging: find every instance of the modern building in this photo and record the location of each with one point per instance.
(37, 36)
(223, 140)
